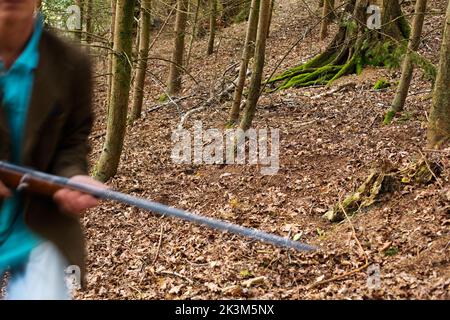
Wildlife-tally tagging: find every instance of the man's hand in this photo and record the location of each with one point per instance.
(75, 202)
(4, 191)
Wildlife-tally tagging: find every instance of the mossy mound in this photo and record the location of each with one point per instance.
(382, 180)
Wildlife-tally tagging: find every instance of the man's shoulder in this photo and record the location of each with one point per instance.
(62, 51)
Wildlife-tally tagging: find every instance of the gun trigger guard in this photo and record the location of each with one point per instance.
(23, 183)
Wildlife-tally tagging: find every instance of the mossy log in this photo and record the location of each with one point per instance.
(353, 47)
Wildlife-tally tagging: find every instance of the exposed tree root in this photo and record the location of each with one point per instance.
(353, 48)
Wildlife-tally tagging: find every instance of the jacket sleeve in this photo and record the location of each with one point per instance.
(71, 155)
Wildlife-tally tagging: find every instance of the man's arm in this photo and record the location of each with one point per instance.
(71, 157)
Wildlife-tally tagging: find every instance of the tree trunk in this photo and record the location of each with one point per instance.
(252, 36)
(212, 25)
(176, 67)
(272, 5)
(260, 51)
(408, 66)
(193, 34)
(439, 125)
(117, 115)
(144, 44)
(111, 54)
(326, 11)
(353, 47)
(249, 49)
(89, 24)
(79, 32)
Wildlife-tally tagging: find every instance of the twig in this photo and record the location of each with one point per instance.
(159, 246)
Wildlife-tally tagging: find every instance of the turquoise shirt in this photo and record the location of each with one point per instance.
(16, 84)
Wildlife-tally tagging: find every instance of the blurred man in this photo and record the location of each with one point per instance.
(45, 119)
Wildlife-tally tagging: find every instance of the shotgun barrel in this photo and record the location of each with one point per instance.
(31, 181)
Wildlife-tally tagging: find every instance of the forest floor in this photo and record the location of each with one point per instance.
(328, 144)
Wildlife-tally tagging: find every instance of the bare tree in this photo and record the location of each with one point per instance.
(176, 67)
(249, 49)
(408, 66)
(258, 68)
(144, 44)
(117, 111)
(439, 125)
(212, 25)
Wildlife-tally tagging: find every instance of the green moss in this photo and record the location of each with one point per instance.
(389, 116)
(308, 67)
(405, 28)
(349, 67)
(386, 54)
(392, 251)
(381, 84)
(320, 76)
(163, 98)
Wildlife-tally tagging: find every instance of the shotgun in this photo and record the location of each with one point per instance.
(31, 181)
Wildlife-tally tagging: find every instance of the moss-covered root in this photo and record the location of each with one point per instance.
(319, 76)
(389, 116)
(318, 61)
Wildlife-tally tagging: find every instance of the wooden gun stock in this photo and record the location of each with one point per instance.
(21, 181)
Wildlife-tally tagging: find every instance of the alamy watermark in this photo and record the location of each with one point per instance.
(73, 22)
(73, 277)
(215, 146)
(374, 20)
(374, 277)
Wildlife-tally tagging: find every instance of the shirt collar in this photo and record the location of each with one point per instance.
(29, 58)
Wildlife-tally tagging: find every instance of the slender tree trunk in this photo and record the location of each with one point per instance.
(117, 115)
(258, 68)
(212, 25)
(111, 54)
(249, 48)
(193, 35)
(176, 70)
(253, 33)
(408, 66)
(89, 24)
(79, 32)
(144, 45)
(327, 10)
(272, 5)
(439, 125)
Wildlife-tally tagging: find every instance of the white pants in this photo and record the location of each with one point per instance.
(41, 278)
